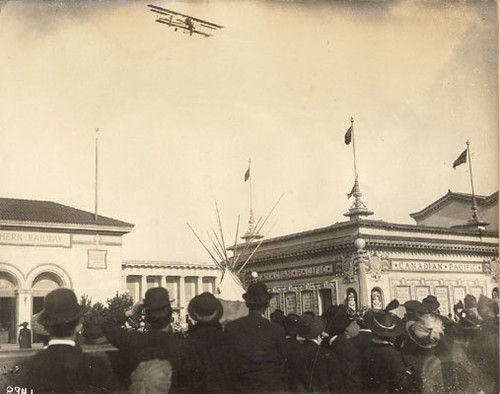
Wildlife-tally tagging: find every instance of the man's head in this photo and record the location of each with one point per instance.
(257, 296)
(62, 314)
(158, 308)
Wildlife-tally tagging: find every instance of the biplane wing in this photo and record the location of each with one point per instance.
(188, 23)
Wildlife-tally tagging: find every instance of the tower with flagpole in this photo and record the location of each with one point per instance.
(358, 208)
(252, 232)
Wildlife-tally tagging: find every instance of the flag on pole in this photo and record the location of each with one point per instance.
(352, 191)
(247, 174)
(348, 136)
(461, 159)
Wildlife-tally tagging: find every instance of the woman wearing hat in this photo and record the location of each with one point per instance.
(422, 337)
(24, 336)
(383, 368)
(211, 345)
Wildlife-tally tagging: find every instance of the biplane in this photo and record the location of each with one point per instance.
(187, 23)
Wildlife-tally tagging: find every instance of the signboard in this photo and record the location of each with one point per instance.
(429, 266)
(443, 299)
(458, 293)
(307, 301)
(403, 294)
(326, 269)
(290, 303)
(422, 292)
(97, 259)
(476, 291)
(274, 302)
(30, 238)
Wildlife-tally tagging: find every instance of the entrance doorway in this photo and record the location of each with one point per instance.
(325, 296)
(42, 285)
(8, 308)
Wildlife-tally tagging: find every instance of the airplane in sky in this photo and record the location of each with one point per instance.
(181, 21)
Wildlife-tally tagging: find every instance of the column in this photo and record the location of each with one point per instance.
(144, 286)
(199, 285)
(182, 296)
(360, 258)
(124, 284)
(163, 282)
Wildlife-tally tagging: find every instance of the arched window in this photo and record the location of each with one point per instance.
(8, 285)
(45, 282)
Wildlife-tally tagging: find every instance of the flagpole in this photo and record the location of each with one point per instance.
(354, 148)
(475, 217)
(96, 171)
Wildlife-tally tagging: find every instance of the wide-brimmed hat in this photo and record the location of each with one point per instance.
(413, 306)
(257, 294)
(425, 332)
(156, 298)
(24, 324)
(430, 304)
(291, 324)
(60, 307)
(384, 324)
(310, 326)
(338, 320)
(205, 308)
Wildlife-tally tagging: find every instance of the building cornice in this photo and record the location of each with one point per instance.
(166, 264)
(97, 228)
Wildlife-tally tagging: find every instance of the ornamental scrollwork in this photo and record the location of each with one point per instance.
(490, 267)
(377, 265)
(348, 269)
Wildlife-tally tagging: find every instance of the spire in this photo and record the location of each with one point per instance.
(358, 208)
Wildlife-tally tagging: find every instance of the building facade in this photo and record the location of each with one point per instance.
(44, 245)
(182, 280)
(364, 262)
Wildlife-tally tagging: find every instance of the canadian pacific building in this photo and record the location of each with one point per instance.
(363, 262)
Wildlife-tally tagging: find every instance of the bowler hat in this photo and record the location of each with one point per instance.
(384, 324)
(205, 308)
(291, 324)
(257, 294)
(156, 298)
(430, 304)
(311, 326)
(414, 306)
(338, 320)
(60, 307)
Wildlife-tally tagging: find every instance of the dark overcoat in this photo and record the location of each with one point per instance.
(216, 357)
(362, 340)
(350, 362)
(383, 369)
(260, 353)
(136, 346)
(316, 370)
(64, 369)
(24, 338)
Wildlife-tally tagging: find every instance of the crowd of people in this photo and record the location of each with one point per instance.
(371, 351)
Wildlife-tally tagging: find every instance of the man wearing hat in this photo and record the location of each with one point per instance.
(156, 343)
(62, 367)
(348, 355)
(383, 368)
(24, 336)
(314, 368)
(259, 345)
(212, 347)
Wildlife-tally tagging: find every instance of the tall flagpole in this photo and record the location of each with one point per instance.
(251, 234)
(475, 216)
(358, 208)
(96, 172)
(354, 149)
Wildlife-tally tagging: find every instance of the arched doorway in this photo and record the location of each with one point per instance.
(43, 284)
(8, 301)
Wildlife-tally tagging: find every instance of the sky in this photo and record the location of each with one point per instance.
(179, 116)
